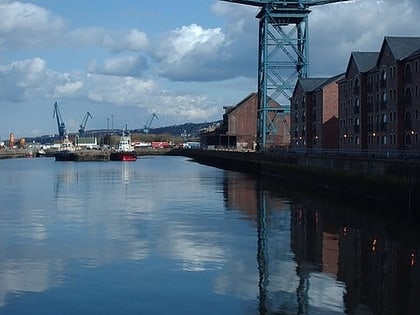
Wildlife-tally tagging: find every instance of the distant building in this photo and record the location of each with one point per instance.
(239, 127)
(86, 142)
(314, 113)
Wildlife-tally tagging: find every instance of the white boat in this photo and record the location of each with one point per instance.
(66, 151)
(125, 151)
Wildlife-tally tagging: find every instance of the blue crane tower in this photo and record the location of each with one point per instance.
(82, 126)
(62, 132)
(282, 57)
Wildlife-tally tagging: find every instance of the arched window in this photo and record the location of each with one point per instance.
(356, 86)
(384, 100)
(408, 97)
(407, 73)
(356, 106)
(383, 78)
(408, 139)
(384, 140)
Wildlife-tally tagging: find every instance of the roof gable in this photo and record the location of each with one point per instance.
(311, 84)
(400, 47)
(229, 109)
(364, 61)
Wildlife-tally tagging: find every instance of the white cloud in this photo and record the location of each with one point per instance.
(337, 30)
(192, 53)
(190, 41)
(119, 90)
(190, 107)
(68, 88)
(26, 25)
(21, 78)
(121, 66)
(134, 40)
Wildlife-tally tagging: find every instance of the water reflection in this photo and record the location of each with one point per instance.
(130, 231)
(345, 263)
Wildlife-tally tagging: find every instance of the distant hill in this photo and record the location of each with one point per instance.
(189, 129)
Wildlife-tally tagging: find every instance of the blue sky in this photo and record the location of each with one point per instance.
(183, 60)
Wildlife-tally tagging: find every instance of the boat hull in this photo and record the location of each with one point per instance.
(65, 156)
(123, 156)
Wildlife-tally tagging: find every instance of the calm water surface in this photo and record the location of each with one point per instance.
(164, 235)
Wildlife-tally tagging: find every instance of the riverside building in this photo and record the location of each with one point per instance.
(375, 103)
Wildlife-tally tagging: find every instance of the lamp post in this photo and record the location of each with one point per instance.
(112, 122)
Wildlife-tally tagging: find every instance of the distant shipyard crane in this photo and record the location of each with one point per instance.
(148, 124)
(62, 132)
(283, 56)
(83, 124)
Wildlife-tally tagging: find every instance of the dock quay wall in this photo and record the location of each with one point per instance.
(11, 154)
(392, 182)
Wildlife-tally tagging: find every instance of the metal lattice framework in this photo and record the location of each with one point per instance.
(283, 57)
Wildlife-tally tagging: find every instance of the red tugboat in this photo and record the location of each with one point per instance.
(125, 151)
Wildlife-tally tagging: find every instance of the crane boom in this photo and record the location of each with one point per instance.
(285, 3)
(84, 122)
(148, 124)
(62, 132)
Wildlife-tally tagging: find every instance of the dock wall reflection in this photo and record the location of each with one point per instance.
(350, 262)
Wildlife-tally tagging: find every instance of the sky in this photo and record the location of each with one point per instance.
(183, 60)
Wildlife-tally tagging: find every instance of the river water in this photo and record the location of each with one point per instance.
(165, 235)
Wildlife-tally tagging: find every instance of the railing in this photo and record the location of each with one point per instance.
(384, 153)
(355, 153)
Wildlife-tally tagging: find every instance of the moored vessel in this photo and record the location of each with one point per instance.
(125, 150)
(66, 152)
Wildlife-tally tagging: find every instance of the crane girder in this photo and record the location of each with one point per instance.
(282, 56)
(285, 3)
(148, 124)
(84, 122)
(60, 123)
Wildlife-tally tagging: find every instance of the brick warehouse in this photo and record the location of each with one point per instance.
(314, 113)
(388, 95)
(239, 128)
(376, 103)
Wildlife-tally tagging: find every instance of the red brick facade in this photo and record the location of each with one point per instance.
(379, 107)
(242, 122)
(314, 113)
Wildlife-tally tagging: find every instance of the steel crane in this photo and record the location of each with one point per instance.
(282, 57)
(148, 124)
(83, 124)
(62, 132)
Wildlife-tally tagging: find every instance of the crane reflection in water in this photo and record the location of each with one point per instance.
(314, 259)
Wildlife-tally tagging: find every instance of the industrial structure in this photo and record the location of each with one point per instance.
(62, 132)
(83, 124)
(283, 56)
(239, 128)
(148, 124)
